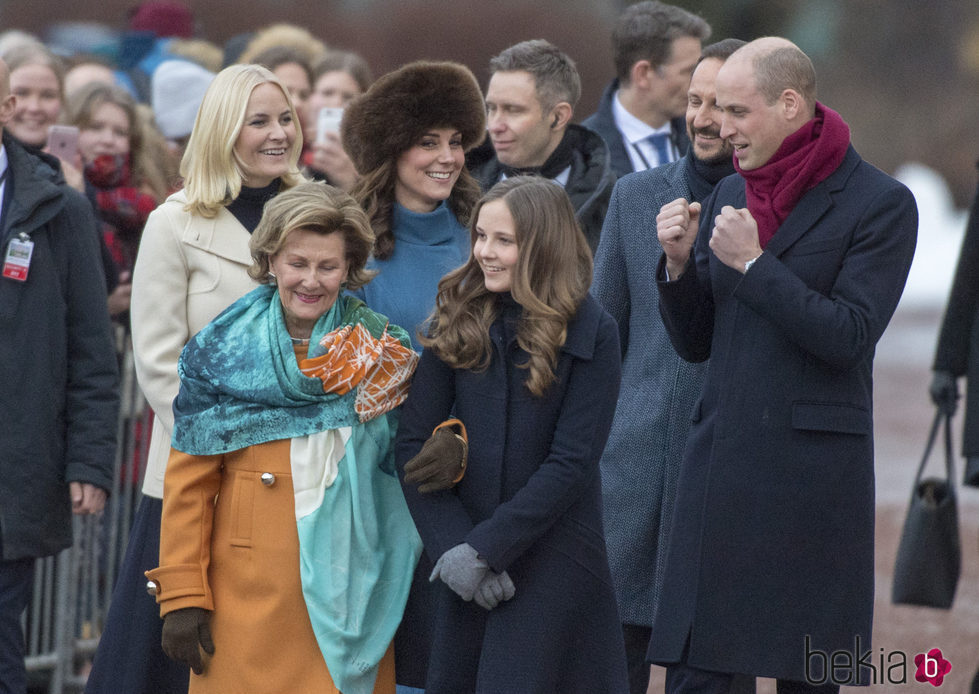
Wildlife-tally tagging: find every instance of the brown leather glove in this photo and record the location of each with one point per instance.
(441, 462)
(185, 632)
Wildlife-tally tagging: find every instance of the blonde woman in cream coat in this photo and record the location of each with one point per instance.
(192, 264)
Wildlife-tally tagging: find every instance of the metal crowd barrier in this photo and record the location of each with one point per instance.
(70, 598)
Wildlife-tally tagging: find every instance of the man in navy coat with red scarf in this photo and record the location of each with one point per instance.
(785, 280)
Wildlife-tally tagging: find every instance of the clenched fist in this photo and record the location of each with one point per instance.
(734, 239)
(676, 228)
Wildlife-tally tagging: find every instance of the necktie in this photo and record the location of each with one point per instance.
(660, 142)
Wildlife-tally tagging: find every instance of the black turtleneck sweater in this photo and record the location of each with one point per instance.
(247, 207)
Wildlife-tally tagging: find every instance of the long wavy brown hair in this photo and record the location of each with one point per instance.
(551, 278)
(374, 192)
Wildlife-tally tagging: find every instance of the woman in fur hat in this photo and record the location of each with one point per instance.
(408, 135)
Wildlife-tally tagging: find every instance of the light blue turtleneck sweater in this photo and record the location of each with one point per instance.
(427, 246)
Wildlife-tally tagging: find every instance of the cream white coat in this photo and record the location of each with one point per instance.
(189, 269)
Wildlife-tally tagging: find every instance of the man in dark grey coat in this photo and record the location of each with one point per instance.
(642, 456)
(786, 285)
(58, 375)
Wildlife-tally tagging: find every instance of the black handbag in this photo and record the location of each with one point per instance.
(929, 558)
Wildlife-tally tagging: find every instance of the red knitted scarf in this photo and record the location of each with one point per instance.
(806, 157)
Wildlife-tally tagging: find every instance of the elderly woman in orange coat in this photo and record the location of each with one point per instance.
(285, 536)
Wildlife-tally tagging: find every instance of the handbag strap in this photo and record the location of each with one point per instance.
(940, 418)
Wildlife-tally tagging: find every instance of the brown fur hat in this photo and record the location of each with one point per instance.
(404, 104)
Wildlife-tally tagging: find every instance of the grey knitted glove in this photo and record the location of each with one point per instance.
(461, 569)
(494, 589)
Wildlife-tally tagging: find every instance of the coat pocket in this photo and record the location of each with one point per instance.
(697, 413)
(830, 416)
(818, 246)
(242, 510)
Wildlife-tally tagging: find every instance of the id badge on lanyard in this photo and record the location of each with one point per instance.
(17, 259)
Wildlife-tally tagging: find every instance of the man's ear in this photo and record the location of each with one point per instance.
(641, 73)
(561, 115)
(793, 104)
(7, 107)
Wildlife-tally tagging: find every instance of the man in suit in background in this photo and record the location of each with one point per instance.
(640, 116)
(642, 456)
(786, 285)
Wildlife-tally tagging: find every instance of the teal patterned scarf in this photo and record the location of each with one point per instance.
(240, 383)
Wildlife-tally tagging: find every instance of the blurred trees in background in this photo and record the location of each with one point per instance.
(903, 73)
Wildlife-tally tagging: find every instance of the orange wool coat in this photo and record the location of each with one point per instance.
(229, 543)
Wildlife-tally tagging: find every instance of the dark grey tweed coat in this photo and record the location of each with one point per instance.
(639, 466)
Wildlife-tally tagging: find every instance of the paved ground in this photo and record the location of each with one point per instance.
(903, 416)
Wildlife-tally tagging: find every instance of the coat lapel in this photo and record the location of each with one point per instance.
(223, 236)
(812, 206)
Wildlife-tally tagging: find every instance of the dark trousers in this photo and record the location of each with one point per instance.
(130, 658)
(636, 644)
(683, 679)
(16, 576)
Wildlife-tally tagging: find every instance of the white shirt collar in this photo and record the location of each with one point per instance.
(632, 128)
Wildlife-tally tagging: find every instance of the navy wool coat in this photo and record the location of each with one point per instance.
(773, 532)
(641, 461)
(530, 504)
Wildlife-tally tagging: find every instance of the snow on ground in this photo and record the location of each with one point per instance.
(940, 230)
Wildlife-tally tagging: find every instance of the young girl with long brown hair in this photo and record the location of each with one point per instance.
(529, 362)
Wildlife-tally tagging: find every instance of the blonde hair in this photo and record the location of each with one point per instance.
(551, 278)
(318, 207)
(284, 34)
(28, 53)
(212, 173)
(147, 169)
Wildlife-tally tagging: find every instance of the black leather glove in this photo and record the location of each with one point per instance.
(494, 589)
(461, 569)
(944, 392)
(441, 462)
(185, 632)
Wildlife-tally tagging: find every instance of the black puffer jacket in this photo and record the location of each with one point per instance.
(589, 185)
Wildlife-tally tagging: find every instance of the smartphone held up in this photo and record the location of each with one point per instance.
(63, 142)
(328, 121)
